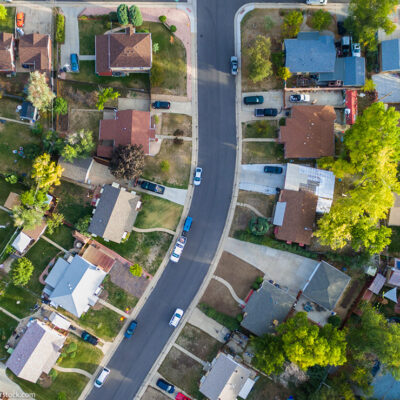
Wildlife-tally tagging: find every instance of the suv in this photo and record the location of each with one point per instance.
(270, 169)
(101, 378)
(178, 249)
(266, 112)
(87, 337)
(74, 62)
(165, 105)
(164, 385)
(234, 65)
(131, 329)
(152, 187)
(299, 98)
(253, 100)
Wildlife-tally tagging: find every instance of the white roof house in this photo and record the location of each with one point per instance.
(59, 321)
(21, 242)
(317, 181)
(36, 352)
(74, 286)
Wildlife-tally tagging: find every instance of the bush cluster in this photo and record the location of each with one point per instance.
(60, 28)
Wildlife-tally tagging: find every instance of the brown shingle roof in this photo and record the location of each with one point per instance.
(299, 216)
(13, 200)
(127, 50)
(309, 132)
(129, 127)
(36, 232)
(6, 52)
(34, 49)
(99, 258)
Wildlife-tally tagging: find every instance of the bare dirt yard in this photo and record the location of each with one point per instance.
(88, 120)
(198, 342)
(171, 122)
(218, 296)
(154, 394)
(261, 202)
(238, 273)
(241, 219)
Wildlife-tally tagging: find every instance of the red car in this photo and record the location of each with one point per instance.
(20, 19)
(181, 396)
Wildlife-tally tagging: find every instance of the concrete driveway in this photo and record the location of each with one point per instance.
(272, 99)
(172, 194)
(38, 19)
(254, 179)
(289, 270)
(319, 98)
(71, 44)
(140, 104)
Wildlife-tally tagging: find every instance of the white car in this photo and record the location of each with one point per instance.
(101, 378)
(178, 249)
(356, 49)
(176, 318)
(299, 98)
(197, 176)
(316, 2)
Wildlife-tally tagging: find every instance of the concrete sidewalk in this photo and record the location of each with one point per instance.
(10, 388)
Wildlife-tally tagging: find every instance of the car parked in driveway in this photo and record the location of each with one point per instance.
(20, 19)
(197, 176)
(164, 105)
(249, 100)
(299, 98)
(87, 337)
(266, 112)
(181, 396)
(234, 65)
(152, 187)
(131, 329)
(176, 318)
(272, 169)
(74, 62)
(164, 385)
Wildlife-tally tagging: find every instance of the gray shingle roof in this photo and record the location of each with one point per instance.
(390, 52)
(310, 52)
(350, 70)
(267, 304)
(115, 214)
(326, 285)
(78, 170)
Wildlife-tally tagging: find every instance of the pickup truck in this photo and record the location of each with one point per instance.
(152, 187)
(265, 112)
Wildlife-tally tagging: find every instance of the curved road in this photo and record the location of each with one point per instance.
(217, 152)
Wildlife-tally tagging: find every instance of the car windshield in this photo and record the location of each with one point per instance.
(177, 315)
(98, 382)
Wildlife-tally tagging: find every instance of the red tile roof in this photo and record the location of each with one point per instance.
(7, 52)
(35, 49)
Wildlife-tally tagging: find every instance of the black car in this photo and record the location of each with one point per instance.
(87, 337)
(253, 100)
(341, 28)
(165, 105)
(266, 112)
(152, 187)
(270, 169)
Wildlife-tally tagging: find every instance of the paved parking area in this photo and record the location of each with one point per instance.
(139, 104)
(254, 179)
(272, 99)
(38, 19)
(333, 98)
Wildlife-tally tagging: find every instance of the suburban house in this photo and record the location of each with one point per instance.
(266, 308)
(74, 285)
(390, 55)
(36, 352)
(28, 112)
(294, 216)
(129, 127)
(315, 54)
(309, 132)
(35, 52)
(27, 237)
(7, 53)
(115, 213)
(394, 214)
(313, 180)
(227, 379)
(123, 53)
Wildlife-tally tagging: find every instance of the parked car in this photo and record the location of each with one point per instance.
(341, 28)
(164, 105)
(101, 378)
(266, 112)
(356, 50)
(74, 62)
(178, 249)
(188, 224)
(299, 98)
(20, 19)
(164, 385)
(181, 396)
(176, 318)
(197, 176)
(253, 100)
(316, 2)
(271, 169)
(234, 65)
(152, 187)
(87, 337)
(131, 329)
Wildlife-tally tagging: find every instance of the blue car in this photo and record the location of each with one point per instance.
(164, 385)
(188, 224)
(74, 62)
(131, 329)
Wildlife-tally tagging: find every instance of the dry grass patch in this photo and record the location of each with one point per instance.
(241, 219)
(171, 122)
(262, 202)
(260, 153)
(88, 120)
(78, 95)
(154, 394)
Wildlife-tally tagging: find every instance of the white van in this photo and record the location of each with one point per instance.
(101, 378)
(316, 2)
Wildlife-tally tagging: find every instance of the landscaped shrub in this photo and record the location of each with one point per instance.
(284, 73)
(71, 348)
(162, 18)
(164, 166)
(53, 374)
(321, 20)
(179, 132)
(282, 121)
(291, 24)
(122, 13)
(259, 226)
(172, 28)
(60, 28)
(135, 16)
(61, 396)
(226, 320)
(178, 141)
(156, 47)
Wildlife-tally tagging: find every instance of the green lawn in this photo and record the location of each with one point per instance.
(6, 188)
(87, 74)
(5, 233)
(87, 357)
(68, 382)
(7, 25)
(259, 153)
(40, 254)
(158, 213)
(146, 249)
(119, 297)
(12, 137)
(14, 294)
(394, 247)
(8, 108)
(62, 236)
(88, 29)
(7, 326)
(260, 129)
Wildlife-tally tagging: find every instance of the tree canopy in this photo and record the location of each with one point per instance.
(127, 162)
(46, 173)
(321, 20)
(39, 92)
(60, 105)
(105, 95)
(29, 218)
(21, 271)
(135, 16)
(259, 54)
(3, 12)
(78, 145)
(122, 14)
(291, 23)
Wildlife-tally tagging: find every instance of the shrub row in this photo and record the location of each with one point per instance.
(60, 28)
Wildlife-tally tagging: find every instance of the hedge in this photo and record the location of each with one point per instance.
(60, 28)
(226, 320)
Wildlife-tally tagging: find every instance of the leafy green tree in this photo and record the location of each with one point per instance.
(127, 162)
(321, 20)
(83, 225)
(32, 150)
(162, 18)
(136, 270)
(369, 86)
(78, 145)
(284, 73)
(292, 23)
(39, 92)
(259, 55)
(135, 16)
(172, 28)
(37, 129)
(60, 106)
(269, 356)
(54, 222)
(156, 47)
(29, 218)
(259, 226)
(45, 172)
(34, 198)
(52, 142)
(21, 271)
(3, 13)
(105, 95)
(366, 17)
(122, 14)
